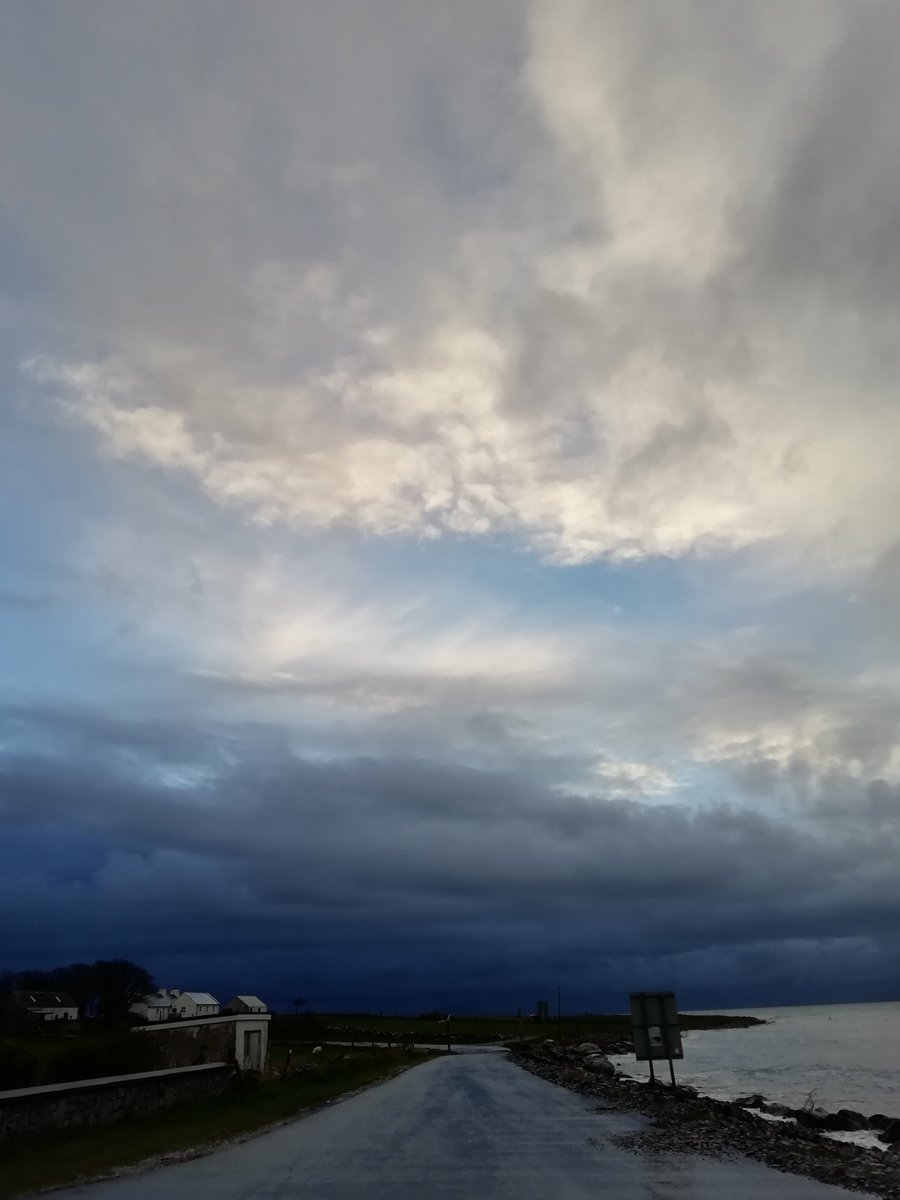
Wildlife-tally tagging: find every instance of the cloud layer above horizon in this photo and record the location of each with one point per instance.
(451, 507)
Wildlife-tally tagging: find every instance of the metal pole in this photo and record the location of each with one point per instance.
(666, 1031)
(448, 1033)
(647, 1035)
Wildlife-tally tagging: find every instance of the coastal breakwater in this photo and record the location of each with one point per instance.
(686, 1122)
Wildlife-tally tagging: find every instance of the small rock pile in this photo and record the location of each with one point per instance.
(844, 1120)
(685, 1122)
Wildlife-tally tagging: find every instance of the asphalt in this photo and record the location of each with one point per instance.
(463, 1127)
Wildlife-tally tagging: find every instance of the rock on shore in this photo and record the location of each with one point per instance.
(685, 1122)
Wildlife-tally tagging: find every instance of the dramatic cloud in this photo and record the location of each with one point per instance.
(407, 850)
(451, 511)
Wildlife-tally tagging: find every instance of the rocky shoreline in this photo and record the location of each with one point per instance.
(687, 1123)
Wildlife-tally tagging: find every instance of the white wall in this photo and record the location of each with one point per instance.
(56, 1014)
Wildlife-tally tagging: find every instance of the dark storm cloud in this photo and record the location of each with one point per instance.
(419, 858)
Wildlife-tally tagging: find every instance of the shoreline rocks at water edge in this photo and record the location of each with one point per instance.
(685, 1122)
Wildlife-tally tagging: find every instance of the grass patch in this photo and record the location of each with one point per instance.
(56, 1159)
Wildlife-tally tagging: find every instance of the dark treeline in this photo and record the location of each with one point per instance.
(105, 988)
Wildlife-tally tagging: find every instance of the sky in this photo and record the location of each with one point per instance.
(450, 525)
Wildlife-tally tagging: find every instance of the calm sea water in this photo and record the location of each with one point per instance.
(847, 1055)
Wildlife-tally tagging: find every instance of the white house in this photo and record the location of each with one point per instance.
(168, 1003)
(49, 1006)
(246, 1004)
(194, 1004)
(155, 1007)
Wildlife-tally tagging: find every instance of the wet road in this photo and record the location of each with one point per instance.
(464, 1127)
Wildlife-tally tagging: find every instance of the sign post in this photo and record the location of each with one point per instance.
(654, 1021)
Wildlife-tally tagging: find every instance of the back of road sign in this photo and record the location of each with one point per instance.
(654, 1019)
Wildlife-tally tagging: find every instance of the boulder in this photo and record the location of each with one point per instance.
(880, 1121)
(778, 1110)
(847, 1119)
(852, 1120)
(753, 1101)
(588, 1048)
(599, 1064)
(812, 1118)
(890, 1133)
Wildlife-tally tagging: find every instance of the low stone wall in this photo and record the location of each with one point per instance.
(239, 1037)
(28, 1111)
(189, 1043)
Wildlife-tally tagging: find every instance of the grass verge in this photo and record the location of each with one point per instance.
(29, 1165)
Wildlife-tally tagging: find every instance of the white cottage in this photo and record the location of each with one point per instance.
(194, 1004)
(49, 1006)
(155, 1007)
(246, 1004)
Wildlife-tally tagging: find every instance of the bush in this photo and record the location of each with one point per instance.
(126, 1054)
(132, 1052)
(77, 1062)
(18, 1066)
(16, 1022)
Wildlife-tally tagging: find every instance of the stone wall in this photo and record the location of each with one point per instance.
(188, 1045)
(211, 1039)
(102, 1101)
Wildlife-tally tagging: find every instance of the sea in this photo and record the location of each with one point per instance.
(837, 1055)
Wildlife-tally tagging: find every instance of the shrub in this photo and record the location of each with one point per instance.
(133, 1052)
(126, 1054)
(18, 1066)
(77, 1062)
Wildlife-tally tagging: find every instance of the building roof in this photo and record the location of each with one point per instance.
(199, 997)
(157, 1001)
(46, 999)
(251, 1001)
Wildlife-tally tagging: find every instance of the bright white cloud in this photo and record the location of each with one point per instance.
(593, 351)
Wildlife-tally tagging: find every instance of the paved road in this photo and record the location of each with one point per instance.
(464, 1127)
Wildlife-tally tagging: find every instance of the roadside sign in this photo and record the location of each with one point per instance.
(654, 1021)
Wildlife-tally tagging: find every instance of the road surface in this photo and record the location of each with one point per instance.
(470, 1126)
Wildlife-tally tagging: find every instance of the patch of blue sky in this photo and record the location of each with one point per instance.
(503, 567)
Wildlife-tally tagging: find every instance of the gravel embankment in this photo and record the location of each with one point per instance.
(685, 1122)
